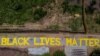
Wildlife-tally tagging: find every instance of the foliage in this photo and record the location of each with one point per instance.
(40, 2)
(92, 22)
(90, 9)
(75, 24)
(39, 13)
(74, 9)
(59, 53)
(71, 8)
(54, 27)
(96, 52)
(65, 5)
(20, 11)
(46, 54)
(98, 20)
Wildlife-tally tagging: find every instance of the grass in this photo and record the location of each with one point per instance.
(20, 11)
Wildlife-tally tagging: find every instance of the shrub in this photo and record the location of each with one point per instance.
(65, 5)
(16, 11)
(90, 9)
(18, 4)
(98, 20)
(40, 2)
(71, 8)
(1, 21)
(59, 53)
(96, 52)
(54, 27)
(21, 11)
(17, 7)
(39, 13)
(46, 54)
(75, 24)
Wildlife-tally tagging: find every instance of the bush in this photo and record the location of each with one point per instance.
(40, 2)
(65, 5)
(95, 53)
(74, 9)
(39, 13)
(75, 24)
(90, 9)
(15, 11)
(98, 20)
(59, 53)
(18, 4)
(71, 8)
(54, 27)
(20, 11)
(46, 54)
(1, 21)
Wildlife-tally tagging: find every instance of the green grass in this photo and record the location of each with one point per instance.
(20, 11)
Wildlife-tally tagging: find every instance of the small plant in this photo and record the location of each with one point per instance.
(59, 53)
(39, 13)
(96, 52)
